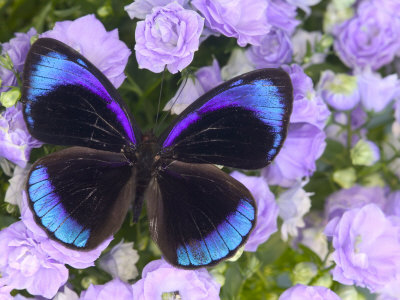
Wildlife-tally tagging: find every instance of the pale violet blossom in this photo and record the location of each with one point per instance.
(377, 92)
(121, 261)
(301, 41)
(66, 293)
(17, 185)
(141, 8)
(238, 64)
(293, 204)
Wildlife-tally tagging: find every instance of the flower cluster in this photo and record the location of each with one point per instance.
(328, 206)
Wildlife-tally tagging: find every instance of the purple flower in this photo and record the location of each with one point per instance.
(367, 247)
(17, 49)
(354, 197)
(304, 144)
(5, 291)
(392, 206)
(55, 250)
(245, 20)
(141, 8)
(300, 291)
(339, 90)
(275, 50)
(305, 42)
(370, 38)
(307, 106)
(282, 15)
(15, 141)
(376, 92)
(25, 265)
(267, 209)
(88, 36)
(169, 36)
(115, 289)
(191, 89)
(159, 277)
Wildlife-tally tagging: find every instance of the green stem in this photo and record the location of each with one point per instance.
(133, 86)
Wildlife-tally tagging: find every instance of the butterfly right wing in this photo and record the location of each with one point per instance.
(68, 101)
(198, 214)
(80, 196)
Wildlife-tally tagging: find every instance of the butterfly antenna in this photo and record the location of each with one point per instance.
(176, 99)
(159, 97)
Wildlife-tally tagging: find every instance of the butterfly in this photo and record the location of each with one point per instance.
(198, 214)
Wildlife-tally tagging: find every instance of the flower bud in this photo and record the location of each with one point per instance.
(104, 11)
(6, 62)
(237, 255)
(364, 153)
(303, 273)
(34, 38)
(349, 293)
(87, 281)
(345, 178)
(373, 180)
(9, 98)
(325, 280)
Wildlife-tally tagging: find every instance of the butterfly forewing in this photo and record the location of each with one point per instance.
(68, 101)
(241, 123)
(80, 196)
(198, 214)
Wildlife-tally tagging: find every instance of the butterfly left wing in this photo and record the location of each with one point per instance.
(199, 215)
(80, 196)
(68, 101)
(242, 123)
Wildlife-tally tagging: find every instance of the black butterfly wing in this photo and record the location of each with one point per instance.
(68, 101)
(80, 196)
(198, 214)
(241, 123)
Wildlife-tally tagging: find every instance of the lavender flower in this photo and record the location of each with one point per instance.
(25, 265)
(282, 15)
(17, 49)
(267, 209)
(115, 289)
(275, 50)
(300, 291)
(121, 261)
(371, 38)
(5, 291)
(354, 197)
(364, 153)
(245, 20)
(55, 250)
(15, 141)
(366, 253)
(141, 8)
(159, 278)
(169, 36)
(88, 36)
(376, 92)
(304, 144)
(339, 90)
(205, 79)
(293, 205)
(17, 184)
(308, 107)
(392, 205)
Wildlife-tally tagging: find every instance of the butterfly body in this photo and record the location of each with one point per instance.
(198, 214)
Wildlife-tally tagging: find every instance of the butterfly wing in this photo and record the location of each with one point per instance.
(80, 196)
(241, 123)
(198, 214)
(68, 101)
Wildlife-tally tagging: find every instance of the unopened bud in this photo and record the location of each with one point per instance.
(9, 98)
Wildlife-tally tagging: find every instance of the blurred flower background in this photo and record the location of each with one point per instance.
(328, 206)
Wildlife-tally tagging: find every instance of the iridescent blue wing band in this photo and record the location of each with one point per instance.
(68, 101)
(80, 196)
(198, 214)
(241, 123)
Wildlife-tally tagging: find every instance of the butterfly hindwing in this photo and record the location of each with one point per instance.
(68, 101)
(198, 214)
(80, 196)
(241, 123)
